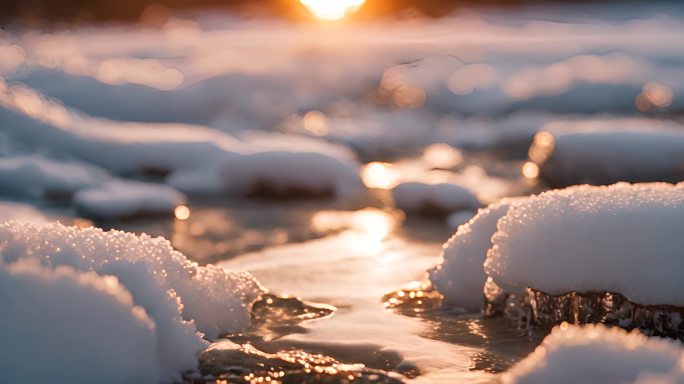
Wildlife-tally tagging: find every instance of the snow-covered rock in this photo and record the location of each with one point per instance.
(605, 151)
(182, 299)
(460, 277)
(596, 354)
(623, 238)
(66, 327)
(119, 199)
(433, 199)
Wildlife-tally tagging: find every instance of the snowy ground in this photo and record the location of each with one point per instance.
(332, 161)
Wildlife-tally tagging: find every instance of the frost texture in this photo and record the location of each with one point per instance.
(160, 279)
(433, 199)
(596, 354)
(45, 311)
(623, 238)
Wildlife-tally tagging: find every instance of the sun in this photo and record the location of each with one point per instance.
(332, 9)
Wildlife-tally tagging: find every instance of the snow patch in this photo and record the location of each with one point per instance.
(109, 338)
(433, 199)
(596, 354)
(623, 238)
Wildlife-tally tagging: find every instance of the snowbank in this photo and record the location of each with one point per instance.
(460, 277)
(433, 199)
(180, 297)
(622, 238)
(40, 177)
(606, 151)
(194, 158)
(596, 354)
(119, 199)
(70, 327)
(93, 191)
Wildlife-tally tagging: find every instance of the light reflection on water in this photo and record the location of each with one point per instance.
(327, 252)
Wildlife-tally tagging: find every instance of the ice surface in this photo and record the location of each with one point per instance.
(622, 238)
(68, 327)
(596, 354)
(160, 279)
(605, 151)
(460, 277)
(433, 199)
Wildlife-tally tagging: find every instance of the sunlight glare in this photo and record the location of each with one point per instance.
(182, 212)
(380, 175)
(332, 9)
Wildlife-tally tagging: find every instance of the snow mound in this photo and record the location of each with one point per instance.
(39, 177)
(460, 277)
(609, 150)
(21, 212)
(109, 338)
(596, 354)
(189, 157)
(123, 199)
(92, 190)
(623, 238)
(433, 199)
(161, 280)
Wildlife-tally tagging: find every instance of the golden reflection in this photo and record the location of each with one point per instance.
(442, 156)
(530, 170)
(373, 222)
(658, 94)
(316, 123)
(332, 9)
(182, 212)
(409, 97)
(380, 175)
(542, 147)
